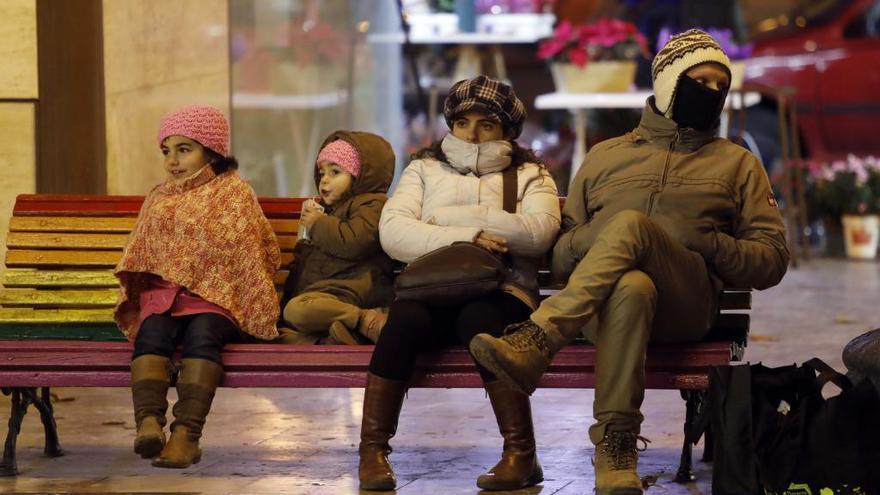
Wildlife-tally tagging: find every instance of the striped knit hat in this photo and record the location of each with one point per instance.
(202, 123)
(493, 97)
(681, 53)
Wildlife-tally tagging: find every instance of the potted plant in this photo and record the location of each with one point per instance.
(849, 190)
(595, 57)
(312, 58)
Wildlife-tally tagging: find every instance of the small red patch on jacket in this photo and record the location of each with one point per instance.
(772, 201)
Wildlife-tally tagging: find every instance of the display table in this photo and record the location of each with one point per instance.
(579, 103)
(305, 140)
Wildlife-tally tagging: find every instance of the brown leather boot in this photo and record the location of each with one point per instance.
(615, 463)
(196, 384)
(519, 466)
(383, 399)
(150, 378)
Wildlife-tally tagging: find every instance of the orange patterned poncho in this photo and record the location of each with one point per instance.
(207, 234)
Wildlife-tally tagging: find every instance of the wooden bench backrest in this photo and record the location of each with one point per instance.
(59, 279)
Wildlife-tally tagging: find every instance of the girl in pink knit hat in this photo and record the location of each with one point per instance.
(340, 275)
(197, 272)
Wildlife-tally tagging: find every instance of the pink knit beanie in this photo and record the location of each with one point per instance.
(202, 123)
(342, 153)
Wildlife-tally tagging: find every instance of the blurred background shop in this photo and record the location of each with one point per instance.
(85, 82)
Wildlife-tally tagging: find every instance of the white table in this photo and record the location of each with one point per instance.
(579, 103)
(304, 101)
(306, 142)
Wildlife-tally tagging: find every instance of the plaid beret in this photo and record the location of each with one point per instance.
(493, 97)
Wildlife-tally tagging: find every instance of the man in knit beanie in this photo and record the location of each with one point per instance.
(675, 213)
(680, 54)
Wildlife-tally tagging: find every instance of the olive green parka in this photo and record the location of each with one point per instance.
(343, 256)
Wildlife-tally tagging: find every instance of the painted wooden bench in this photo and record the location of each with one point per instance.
(56, 326)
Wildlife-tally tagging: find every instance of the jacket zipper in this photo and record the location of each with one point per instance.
(665, 173)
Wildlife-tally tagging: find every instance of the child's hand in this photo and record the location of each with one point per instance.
(309, 216)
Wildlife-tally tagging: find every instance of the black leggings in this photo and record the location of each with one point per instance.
(414, 328)
(203, 335)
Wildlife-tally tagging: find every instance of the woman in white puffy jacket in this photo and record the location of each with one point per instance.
(450, 192)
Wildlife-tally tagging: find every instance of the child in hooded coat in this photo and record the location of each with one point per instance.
(340, 279)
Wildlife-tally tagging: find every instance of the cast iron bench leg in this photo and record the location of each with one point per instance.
(708, 445)
(20, 402)
(693, 401)
(43, 403)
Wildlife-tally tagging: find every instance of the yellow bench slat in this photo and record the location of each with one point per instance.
(72, 224)
(100, 298)
(27, 277)
(30, 277)
(65, 258)
(284, 226)
(58, 259)
(47, 316)
(286, 242)
(66, 240)
(109, 224)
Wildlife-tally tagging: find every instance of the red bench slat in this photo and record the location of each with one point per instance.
(83, 364)
(339, 379)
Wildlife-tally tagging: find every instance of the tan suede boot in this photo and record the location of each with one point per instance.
(383, 399)
(150, 379)
(615, 463)
(196, 384)
(519, 466)
(342, 335)
(519, 357)
(291, 336)
(371, 323)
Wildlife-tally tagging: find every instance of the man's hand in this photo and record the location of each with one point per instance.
(309, 216)
(699, 238)
(491, 242)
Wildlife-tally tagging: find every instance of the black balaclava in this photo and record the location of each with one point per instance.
(697, 106)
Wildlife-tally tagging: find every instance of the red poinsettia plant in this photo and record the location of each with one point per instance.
(605, 39)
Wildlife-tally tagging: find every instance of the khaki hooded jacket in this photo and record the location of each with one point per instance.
(707, 192)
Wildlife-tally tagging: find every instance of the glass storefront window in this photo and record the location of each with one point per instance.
(300, 70)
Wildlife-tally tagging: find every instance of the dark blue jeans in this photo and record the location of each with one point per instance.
(202, 335)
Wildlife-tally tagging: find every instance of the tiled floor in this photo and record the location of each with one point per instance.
(265, 441)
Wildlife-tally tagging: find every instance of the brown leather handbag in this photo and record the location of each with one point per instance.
(454, 274)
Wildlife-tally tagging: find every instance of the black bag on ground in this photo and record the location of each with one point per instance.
(775, 433)
(454, 274)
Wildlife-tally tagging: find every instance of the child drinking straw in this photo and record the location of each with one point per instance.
(341, 268)
(197, 271)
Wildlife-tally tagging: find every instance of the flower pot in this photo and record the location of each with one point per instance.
(860, 234)
(611, 76)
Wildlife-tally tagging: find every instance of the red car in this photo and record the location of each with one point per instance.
(830, 53)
